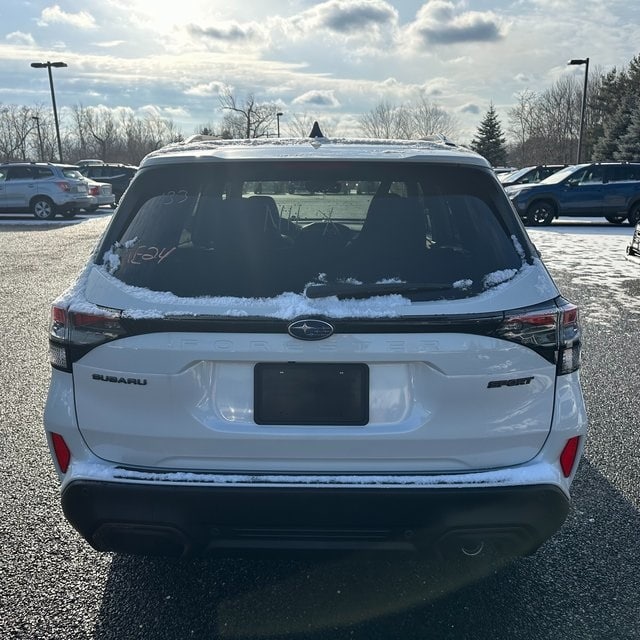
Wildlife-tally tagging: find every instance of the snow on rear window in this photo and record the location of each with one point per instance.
(267, 230)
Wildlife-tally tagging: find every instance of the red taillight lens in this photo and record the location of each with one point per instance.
(553, 332)
(73, 333)
(569, 455)
(94, 191)
(63, 186)
(61, 450)
(92, 328)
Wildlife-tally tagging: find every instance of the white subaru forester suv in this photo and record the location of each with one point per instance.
(315, 344)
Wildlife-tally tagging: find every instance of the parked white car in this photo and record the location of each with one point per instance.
(43, 188)
(102, 192)
(376, 358)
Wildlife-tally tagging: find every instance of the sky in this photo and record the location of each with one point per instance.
(332, 61)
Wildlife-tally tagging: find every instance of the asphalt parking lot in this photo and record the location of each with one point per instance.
(582, 584)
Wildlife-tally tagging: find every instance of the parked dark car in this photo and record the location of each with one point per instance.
(609, 189)
(117, 175)
(529, 175)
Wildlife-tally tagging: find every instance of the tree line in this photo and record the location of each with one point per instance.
(28, 134)
(542, 127)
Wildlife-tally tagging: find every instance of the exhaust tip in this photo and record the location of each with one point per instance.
(472, 549)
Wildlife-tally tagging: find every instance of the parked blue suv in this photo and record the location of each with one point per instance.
(609, 189)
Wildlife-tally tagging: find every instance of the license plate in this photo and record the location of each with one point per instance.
(331, 394)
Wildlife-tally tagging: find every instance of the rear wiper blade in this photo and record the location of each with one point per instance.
(364, 290)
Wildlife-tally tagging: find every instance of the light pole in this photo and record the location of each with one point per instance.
(278, 116)
(37, 119)
(585, 62)
(48, 65)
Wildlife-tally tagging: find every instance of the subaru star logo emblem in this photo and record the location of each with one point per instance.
(310, 329)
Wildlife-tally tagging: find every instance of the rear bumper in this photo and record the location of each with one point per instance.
(182, 520)
(75, 201)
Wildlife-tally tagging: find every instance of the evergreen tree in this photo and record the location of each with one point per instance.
(629, 144)
(618, 99)
(490, 141)
(615, 128)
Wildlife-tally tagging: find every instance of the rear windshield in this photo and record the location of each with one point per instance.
(352, 229)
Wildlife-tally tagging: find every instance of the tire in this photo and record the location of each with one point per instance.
(616, 219)
(540, 213)
(43, 208)
(634, 214)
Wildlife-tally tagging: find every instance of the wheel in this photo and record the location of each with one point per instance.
(634, 214)
(69, 214)
(616, 219)
(540, 213)
(43, 208)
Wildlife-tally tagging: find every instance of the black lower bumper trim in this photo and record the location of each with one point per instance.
(182, 520)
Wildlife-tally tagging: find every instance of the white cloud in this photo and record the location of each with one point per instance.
(444, 22)
(55, 15)
(21, 38)
(227, 33)
(470, 107)
(110, 44)
(213, 88)
(337, 57)
(176, 112)
(348, 16)
(317, 98)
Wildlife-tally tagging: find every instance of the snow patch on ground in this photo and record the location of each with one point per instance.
(594, 257)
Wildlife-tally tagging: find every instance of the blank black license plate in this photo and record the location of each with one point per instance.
(311, 393)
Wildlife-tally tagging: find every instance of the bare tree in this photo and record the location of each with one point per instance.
(247, 118)
(419, 119)
(545, 127)
(102, 126)
(16, 127)
(521, 124)
(427, 118)
(384, 121)
(101, 133)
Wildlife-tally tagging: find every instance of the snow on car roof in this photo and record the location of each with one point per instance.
(205, 148)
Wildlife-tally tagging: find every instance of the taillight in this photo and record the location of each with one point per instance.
(61, 451)
(94, 191)
(72, 334)
(569, 348)
(63, 186)
(569, 455)
(552, 331)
